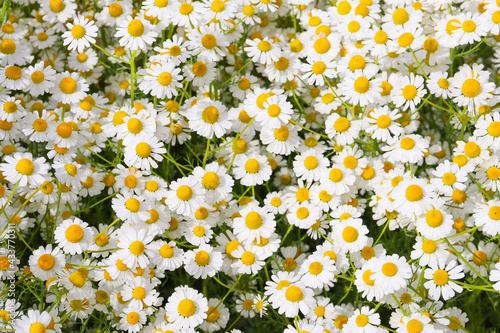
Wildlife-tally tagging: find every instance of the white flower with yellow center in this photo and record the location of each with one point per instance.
(408, 148)
(342, 129)
(186, 307)
(135, 33)
(254, 222)
(413, 197)
(209, 118)
(295, 298)
(382, 123)
(185, 195)
(23, 168)
(486, 216)
(250, 260)
(80, 34)
(470, 87)
(46, 262)
(130, 208)
(144, 153)
(132, 244)
(350, 235)
(318, 271)
(391, 273)
(440, 282)
(449, 177)
(252, 169)
(73, 236)
(208, 43)
(408, 92)
(69, 88)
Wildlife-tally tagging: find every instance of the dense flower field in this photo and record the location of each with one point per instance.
(289, 166)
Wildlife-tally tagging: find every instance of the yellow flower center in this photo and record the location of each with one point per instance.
(342, 124)
(8, 46)
(441, 277)
(184, 192)
(209, 41)
(252, 166)
(409, 92)
(336, 175)
(400, 16)
(389, 269)
(362, 320)
(322, 45)
(37, 327)
(202, 258)
(135, 28)
(139, 293)
(210, 114)
(248, 258)
(361, 85)
(253, 220)
(414, 326)
(186, 8)
(78, 31)
(46, 262)
(25, 166)
(143, 149)
(137, 248)
(350, 234)
(471, 88)
(315, 268)
(167, 251)
(133, 205)
(294, 294)
(494, 213)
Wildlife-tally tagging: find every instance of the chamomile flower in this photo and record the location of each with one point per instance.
(80, 34)
(408, 148)
(342, 129)
(408, 92)
(186, 307)
(130, 208)
(250, 261)
(350, 235)
(470, 87)
(383, 125)
(254, 223)
(215, 180)
(252, 169)
(209, 118)
(296, 297)
(185, 195)
(23, 168)
(310, 165)
(413, 197)
(440, 282)
(73, 236)
(144, 153)
(69, 88)
(263, 51)
(363, 320)
(161, 80)
(208, 43)
(133, 244)
(135, 33)
(318, 271)
(46, 262)
(486, 216)
(391, 273)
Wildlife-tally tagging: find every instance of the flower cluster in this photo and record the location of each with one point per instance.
(191, 166)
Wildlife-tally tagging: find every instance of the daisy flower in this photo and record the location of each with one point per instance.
(363, 320)
(11, 109)
(318, 271)
(249, 261)
(339, 180)
(439, 84)
(252, 169)
(69, 88)
(350, 235)
(185, 195)
(309, 165)
(439, 281)
(472, 28)
(488, 128)
(294, 298)
(342, 129)
(57, 10)
(391, 273)
(209, 117)
(80, 34)
(130, 208)
(144, 153)
(413, 197)
(429, 252)
(449, 177)
(366, 284)
(282, 140)
(161, 80)
(406, 148)
(133, 318)
(277, 112)
(133, 243)
(33, 321)
(359, 88)
(263, 51)
(470, 87)
(186, 307)
(189, 12)
(217, 316)
(208, 43)
(165, 256)
(383, 125)
(486, 215)
(23, 168)
(73, 236)
(253, 223)
(135, 33)
(408, 92)
(14, 77)
(215, 180)
(46, 262)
